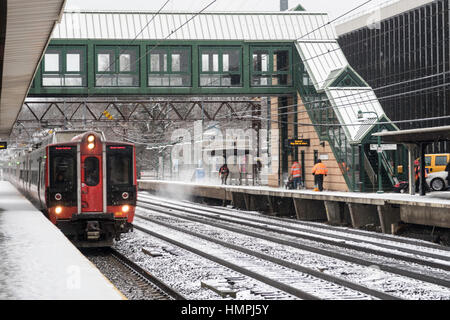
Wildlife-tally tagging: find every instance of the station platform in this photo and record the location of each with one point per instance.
(359, 209)
(37, 261)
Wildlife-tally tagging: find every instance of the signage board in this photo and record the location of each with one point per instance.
(3, 145)
(299, 142)
(383, 147)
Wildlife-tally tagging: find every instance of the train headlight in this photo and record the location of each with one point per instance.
(125, 195)
(125, 208)
(91, 139)
(58, 210)
(91, 146)
(58, 197)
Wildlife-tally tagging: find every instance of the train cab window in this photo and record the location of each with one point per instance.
(121, 169)
(91, 171)
(63, 171)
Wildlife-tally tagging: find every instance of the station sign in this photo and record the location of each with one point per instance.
(299, 142)
(383, 147)
(3, 145)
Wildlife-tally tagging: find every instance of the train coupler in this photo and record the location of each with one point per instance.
(93, 230)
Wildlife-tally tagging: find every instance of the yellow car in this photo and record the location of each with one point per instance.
(436, 162)
(433, 162)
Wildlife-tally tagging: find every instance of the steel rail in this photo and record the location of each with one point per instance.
(324, 252)
(290, 265)
(333, 242)
(157, 284)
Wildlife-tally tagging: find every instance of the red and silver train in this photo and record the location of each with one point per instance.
(85, 184)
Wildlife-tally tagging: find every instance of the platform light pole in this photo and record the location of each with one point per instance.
(361, 116)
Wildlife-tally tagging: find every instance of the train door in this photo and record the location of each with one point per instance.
(91, 184)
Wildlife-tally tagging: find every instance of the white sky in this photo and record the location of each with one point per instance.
(334, 7)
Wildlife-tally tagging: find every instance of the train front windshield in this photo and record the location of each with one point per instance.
(62, 168)
(120, 166)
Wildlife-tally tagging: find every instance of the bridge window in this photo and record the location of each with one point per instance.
(271, 66)
(117, 67)
(64, 67)
(169, 67)
(220, 67)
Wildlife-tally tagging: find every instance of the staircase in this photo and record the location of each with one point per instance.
(371, 172)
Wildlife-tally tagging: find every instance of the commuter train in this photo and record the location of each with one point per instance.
(86, 186)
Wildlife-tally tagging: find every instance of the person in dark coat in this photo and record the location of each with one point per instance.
(224, 173)
(448, 174)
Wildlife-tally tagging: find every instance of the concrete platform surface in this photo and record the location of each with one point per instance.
(38, 262)
(435, 199)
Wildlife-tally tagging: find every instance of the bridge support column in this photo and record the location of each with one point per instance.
(310, 210)
(389, 217)
(363, 215)
(337, 213)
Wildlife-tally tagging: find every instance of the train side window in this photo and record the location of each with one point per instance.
(91, 171)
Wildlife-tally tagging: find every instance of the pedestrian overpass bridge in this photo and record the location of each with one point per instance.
(292, 58)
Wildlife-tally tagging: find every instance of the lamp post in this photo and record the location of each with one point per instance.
(380, 182)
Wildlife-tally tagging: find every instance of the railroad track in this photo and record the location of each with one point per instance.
(367, 244)
(130, 277)
(217, 220)
(287, 277)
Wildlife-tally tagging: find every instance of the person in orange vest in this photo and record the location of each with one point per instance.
(296, 174)
(417, 172)
(319, 171)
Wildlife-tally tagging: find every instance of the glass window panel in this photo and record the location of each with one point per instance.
(428, 161)
(73, 62)
(155, 63)
(281, 61)
(73, 81)
(226, 62)
(233, 60)
(128, 61)
(215, 66)
(180, 80)
(124, 80)
(104, 62)
(205, 62)
(441, 161)
(91, 171)
(63, 173)
(185, 62)
(176, 62)
(226, 81)
(262, 80)
(106, 80)
(158, 80)
(261, 61)
(125, 62)
(210, 81)
(51, 62)
(52, 81)
(121, 175)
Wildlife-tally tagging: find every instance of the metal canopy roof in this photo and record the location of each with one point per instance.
(416, 136)
(266, 26)
(28, 28)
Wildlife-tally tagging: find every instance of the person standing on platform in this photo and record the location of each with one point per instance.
(417, 176)
(319, 171)
(224, 172)
(296, 174)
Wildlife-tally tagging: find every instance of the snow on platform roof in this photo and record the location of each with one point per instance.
(263, 26)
